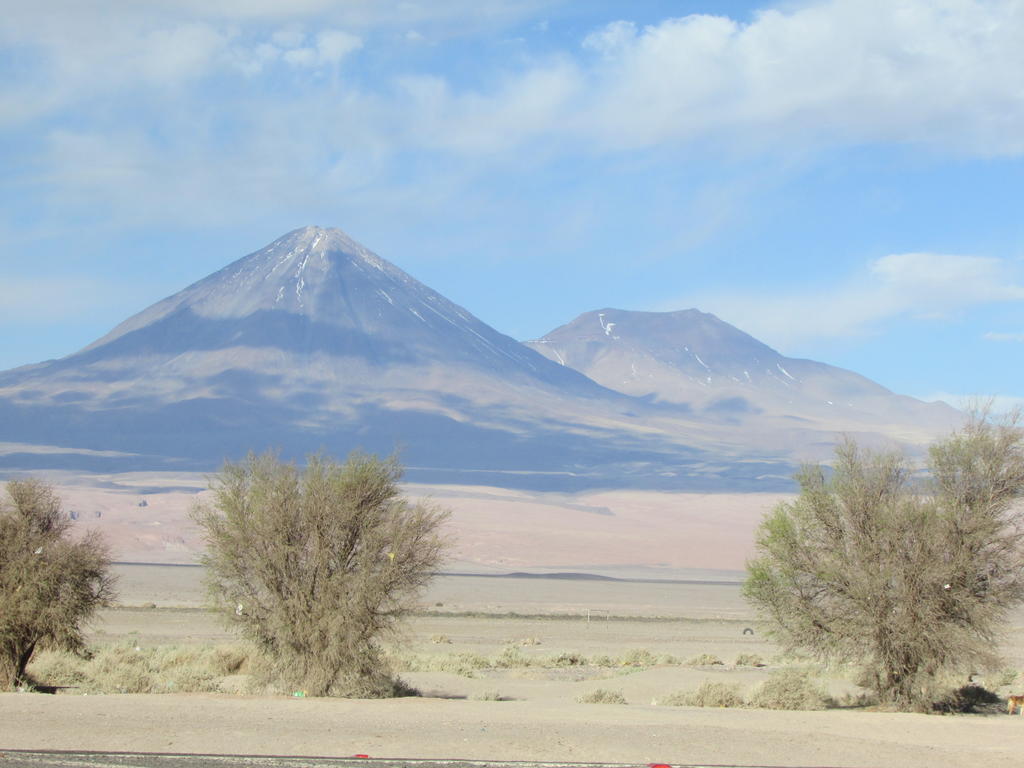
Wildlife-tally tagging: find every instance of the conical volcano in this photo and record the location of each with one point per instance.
(316, 292)
(314, 342)
(693, 357)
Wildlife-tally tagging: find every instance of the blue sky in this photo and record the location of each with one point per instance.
(843, 179)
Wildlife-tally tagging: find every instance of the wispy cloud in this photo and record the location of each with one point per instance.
(993, 336)
(846, 71)
(923, 286)
(225, 102)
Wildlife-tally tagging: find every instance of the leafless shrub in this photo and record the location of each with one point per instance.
(129, 668)
(749, 660)
(315, 566)
(602, 696)
(638, 657)
(49, 585)
(489, 696)
(789, 689)
(704, 660)
(707, 694)
(907, 581)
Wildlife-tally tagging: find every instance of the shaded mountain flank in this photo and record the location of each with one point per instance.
(316, 343)
(721, 372)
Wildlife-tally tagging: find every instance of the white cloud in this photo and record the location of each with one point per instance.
(1015, 337)
(925, 286)
(941, 72)
(332, 45)
(300, 57)
(612, 39)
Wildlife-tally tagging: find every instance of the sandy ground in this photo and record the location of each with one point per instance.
(145, 518)
(539, 717)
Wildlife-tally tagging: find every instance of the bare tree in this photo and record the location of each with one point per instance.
(909, 581)
(315, 566)
(50, 585)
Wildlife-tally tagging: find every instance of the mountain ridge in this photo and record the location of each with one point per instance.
(315, 342)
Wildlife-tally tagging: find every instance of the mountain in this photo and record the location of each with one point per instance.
(316, 343)
(695, 358)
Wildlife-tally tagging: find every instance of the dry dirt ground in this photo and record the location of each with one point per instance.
(538, 717)
(145, 518)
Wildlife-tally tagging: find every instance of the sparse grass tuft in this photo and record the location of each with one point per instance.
(567, 659)
(129, 668)
(638, 657)
(511, 658)
(789, 689)
(602, 696)
(704, 660)
(708, 694)
(749, 660)
(463, 664)
(489, 696)
(1004, 677)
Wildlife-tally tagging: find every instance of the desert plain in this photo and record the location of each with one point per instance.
(662, 591)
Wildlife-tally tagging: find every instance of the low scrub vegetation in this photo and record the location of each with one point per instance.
(512, 656)
(51, 583)
(129, 668)
(704, 660)
(602, 696)
(316, 566)
(749, 660)
(789, 689)
(941, 557)
(708, 694)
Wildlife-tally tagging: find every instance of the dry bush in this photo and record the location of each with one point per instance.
(566, 659)
(464, 664)
(789, 689)
(909, 581)
(512, 658)
(129, 668)
(638, 657)
(316, 566)
(1004, 677)
(489, 696)
(969, 698)
(602, 696)
(704, 660)
(707, 694)
(49, 585)
(749, 660)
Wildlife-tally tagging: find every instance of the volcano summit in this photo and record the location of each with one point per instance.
(314, 342)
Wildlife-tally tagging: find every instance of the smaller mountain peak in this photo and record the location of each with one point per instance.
(321, 239)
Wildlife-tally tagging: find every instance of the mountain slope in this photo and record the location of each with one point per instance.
(693, 357)
(315, 342)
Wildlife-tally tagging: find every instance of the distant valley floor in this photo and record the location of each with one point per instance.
(145, 517)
